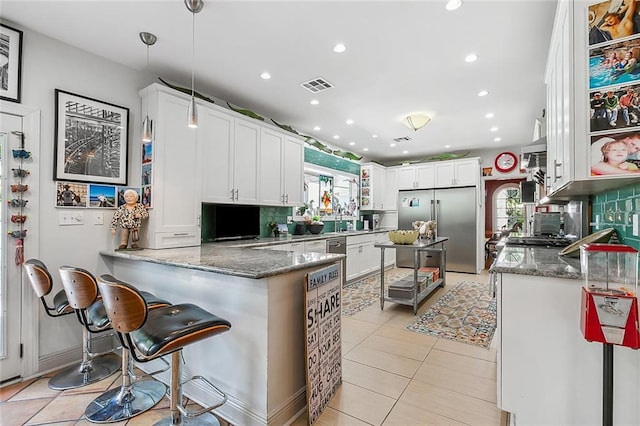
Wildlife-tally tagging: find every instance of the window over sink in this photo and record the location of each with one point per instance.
(329, 194)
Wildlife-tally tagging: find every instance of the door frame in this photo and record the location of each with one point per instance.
(29, 313)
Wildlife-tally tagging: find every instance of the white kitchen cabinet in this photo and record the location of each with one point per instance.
(391, 189)
(457, 173)
(317, 246)
(420, 176)
(293, 172)
(246, 155)
(174, 220)
(372, 187)
(216, 142)
(353, 261)
(281, 169)
(362, 256)
(544, 361)
(569, 149)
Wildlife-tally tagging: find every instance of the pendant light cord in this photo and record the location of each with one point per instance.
(193, 51)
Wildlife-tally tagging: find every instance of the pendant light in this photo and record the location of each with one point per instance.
(194, 6)
(147, 125)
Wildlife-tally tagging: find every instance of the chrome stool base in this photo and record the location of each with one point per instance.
(86, 373)
(125, 402)
(207, 419)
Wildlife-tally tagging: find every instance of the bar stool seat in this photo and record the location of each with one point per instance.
(92, 368)
(152, 334)
(130, 399)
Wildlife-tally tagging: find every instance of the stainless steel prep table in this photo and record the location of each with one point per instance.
(417, 247)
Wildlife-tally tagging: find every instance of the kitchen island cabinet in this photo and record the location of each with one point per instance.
(260, 362)
(547, 372)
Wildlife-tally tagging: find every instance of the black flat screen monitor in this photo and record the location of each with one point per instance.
(229, 222)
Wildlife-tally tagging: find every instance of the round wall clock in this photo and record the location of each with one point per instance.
(505, 162)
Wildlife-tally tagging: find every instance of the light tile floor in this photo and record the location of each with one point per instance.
(391, 376)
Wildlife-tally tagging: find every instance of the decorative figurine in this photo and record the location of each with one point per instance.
(129, 217)
(425, 229)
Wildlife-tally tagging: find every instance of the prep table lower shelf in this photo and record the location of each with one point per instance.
(417, 247)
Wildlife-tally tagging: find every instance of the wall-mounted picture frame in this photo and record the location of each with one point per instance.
(70, 194)
(615, 64)
(10, 63)
(91, 140)
(615, 154)
(103, 196)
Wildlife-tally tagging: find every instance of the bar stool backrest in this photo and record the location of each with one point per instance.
(39, 277)
(126, 308)
(80, 285)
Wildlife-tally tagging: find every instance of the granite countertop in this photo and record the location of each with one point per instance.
(538, 261)
(241, 262)
(269, 241)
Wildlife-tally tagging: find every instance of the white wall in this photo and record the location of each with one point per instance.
(49, 65)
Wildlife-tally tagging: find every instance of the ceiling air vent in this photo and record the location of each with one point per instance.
(403, 139)
(317, 85)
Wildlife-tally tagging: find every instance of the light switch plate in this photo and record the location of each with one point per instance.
(636, 225)
(66, 218)
(99, 219)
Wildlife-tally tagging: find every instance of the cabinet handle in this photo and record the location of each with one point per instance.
(555, 166)
(282, 198)
(180, 234)
(232, 195)
(287, 196)
(237, 194)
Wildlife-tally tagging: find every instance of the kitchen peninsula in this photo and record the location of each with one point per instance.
(259, 363)
(547, 372)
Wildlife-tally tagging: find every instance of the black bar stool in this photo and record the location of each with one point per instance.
(152, 334)
(129, 399)
(92, 368)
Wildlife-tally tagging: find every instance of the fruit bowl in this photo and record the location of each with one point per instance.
(403, 236)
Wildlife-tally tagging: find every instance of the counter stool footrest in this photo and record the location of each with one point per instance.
(196, 413)
(133, 375)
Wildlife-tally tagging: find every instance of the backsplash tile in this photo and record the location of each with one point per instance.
(330, 161)
(616, 209)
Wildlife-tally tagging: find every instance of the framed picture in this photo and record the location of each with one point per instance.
(102, 196)
(70, 194)
(91, 140)
(10, 63)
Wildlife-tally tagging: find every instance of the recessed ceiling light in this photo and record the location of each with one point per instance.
(494, 129)
(265, 76)
(472, 57)
(497, 139)
(314, 102)
(365, 149)
(339, 48)
(392, 145)
(483, 93)
(453, 4)
(349, 121)
(336, 137)
(352, 143)
(316, 128)
(405, 152)
(374, 136)
(489, 115)
(447, 146)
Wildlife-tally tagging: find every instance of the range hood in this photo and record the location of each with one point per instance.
(535, 154)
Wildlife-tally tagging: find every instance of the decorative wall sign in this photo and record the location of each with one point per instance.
(323, 348)
(10, 63)
(90, 140)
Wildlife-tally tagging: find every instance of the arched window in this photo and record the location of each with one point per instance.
(507, 207)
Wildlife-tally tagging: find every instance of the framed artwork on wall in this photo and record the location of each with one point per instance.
(10, 63)
(91, 140)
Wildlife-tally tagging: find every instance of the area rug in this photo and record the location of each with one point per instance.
(466, 313)
(363, 293)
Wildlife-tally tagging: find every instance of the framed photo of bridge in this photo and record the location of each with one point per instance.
(91, 140)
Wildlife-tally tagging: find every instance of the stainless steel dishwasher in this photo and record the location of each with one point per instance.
(337, 245)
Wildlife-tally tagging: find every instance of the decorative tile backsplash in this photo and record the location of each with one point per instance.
(330, 161)
(615, 209)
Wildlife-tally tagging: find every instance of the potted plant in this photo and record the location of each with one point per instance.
(273, 228)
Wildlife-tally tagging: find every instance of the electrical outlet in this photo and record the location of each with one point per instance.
(289, 219)
(99, 219)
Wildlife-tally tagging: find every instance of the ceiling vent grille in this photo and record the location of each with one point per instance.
(317, 85)
(402, 139)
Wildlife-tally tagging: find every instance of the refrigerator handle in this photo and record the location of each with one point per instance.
(435, 210)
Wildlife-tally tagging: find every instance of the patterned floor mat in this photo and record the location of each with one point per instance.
(360, 294)
(466, 313)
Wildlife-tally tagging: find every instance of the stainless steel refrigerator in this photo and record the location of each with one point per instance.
(455, 211)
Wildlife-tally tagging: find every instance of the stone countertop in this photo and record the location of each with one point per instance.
(270, 241)
(538, 261)
(241, 262)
